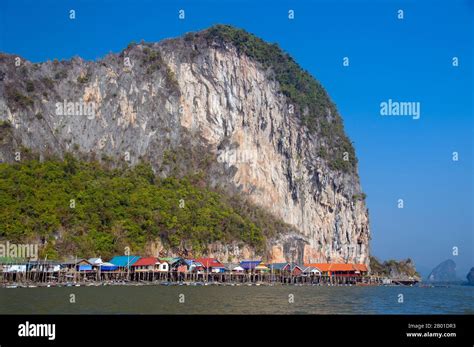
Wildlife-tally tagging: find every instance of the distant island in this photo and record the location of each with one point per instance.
(444, 272)
(470, 277)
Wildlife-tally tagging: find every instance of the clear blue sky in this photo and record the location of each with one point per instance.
(405, 60)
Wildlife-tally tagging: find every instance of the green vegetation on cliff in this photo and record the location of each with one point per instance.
(309, 98)
(393, 268)
(85, 209)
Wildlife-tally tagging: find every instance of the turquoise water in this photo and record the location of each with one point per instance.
(238, 300)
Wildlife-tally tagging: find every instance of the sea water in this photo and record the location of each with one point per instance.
(159, 299)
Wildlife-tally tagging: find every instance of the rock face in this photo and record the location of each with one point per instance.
(155, 99)
(444, 272)
(470, 277)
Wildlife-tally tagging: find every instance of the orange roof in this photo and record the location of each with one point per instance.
(325, 267)
(342, 267)
(361, 267)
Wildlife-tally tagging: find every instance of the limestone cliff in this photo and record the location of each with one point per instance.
(470, 277)
(444, 272)
(204, 96)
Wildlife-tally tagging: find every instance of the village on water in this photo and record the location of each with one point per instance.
(132, 269)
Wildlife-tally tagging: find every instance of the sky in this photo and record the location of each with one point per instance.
(406, 60)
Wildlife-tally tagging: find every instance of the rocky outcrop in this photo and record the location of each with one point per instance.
(402, 270)
(154, 101)
(470, 277)
(444, 272)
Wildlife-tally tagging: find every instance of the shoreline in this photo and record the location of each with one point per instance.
(194, 284)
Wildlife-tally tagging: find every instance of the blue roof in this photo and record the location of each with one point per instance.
(108, 267)
(123, 260)
(190, 262)
(249, 264)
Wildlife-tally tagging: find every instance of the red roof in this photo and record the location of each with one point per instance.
(146, 261)
(210, 262)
